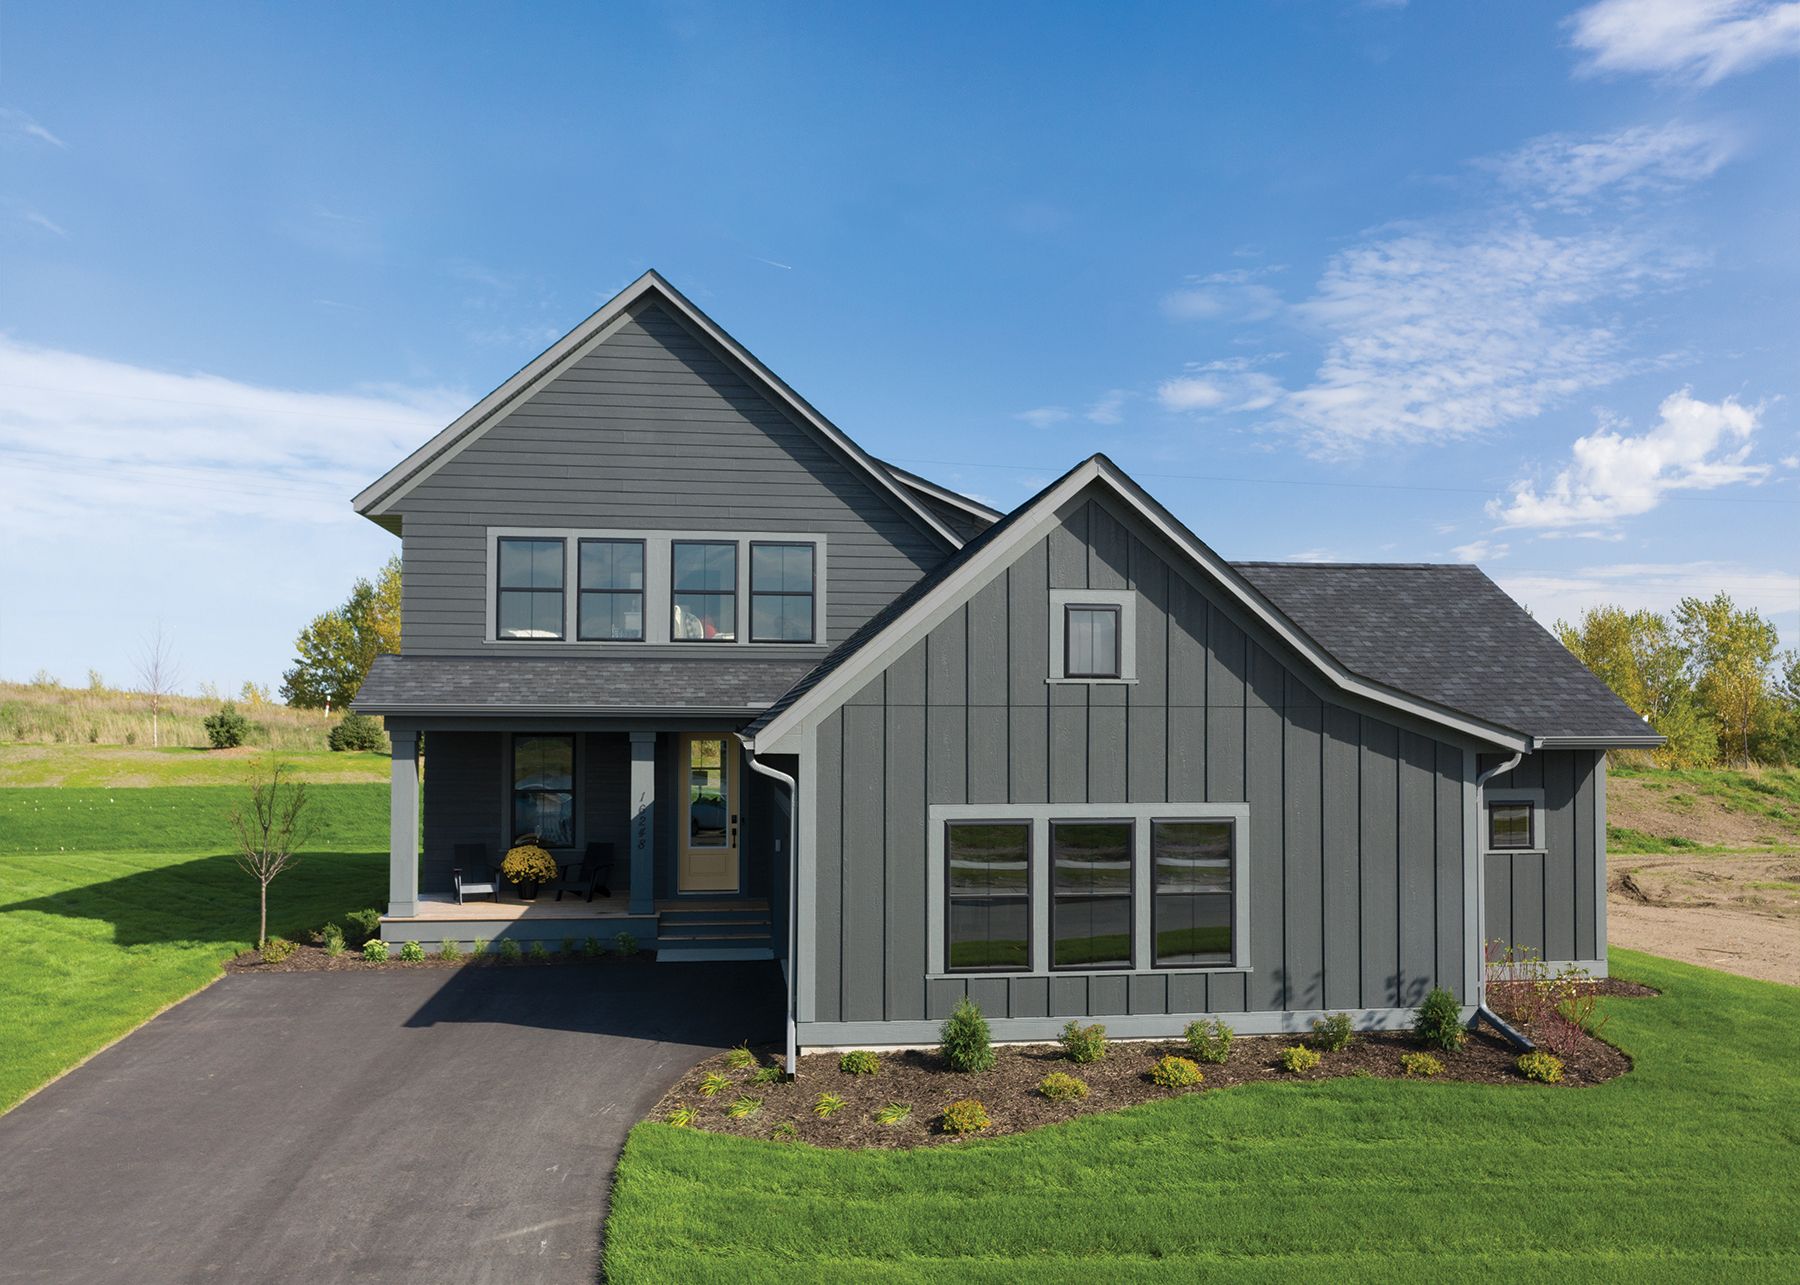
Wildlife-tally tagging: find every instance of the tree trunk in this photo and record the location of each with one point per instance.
(262, 924)
(154, 741)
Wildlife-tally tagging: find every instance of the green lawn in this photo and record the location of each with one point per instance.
(1686, 1169)
(135, 766)
(144, 905)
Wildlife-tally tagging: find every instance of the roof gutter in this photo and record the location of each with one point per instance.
(793, 894)
(1645, 741)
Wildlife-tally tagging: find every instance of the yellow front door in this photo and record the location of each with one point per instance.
(709, 814)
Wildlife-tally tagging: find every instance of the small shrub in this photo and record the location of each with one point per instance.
(626, 945)
(741, 1058)
(449, 951)
(478, 947)
(964, 1039)
(893, 1113)
(1439, 1023)
(1060, 1086)
(540, 953)
(131, 738)
(508, 952)
(859, 1062)
(828, 1105)
(1083, 1044)
(1546, 1068)
(786, 1131)
(713, 1083)
(227, 729)
(744, 1107)
(332, 939)
(411, 953)
(1421, 1064)
(356, 732)
(568, 946)
(277, 949)
(768, 1075)
(375, 950)
(1299, 1058)
(964, 1116)
(1209, 1041)
(361, 925)
(1332, 1033)
(592, 948)
(1171, 1072)
(681, 1115)
(93, 735)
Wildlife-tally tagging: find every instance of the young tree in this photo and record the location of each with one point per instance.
(1637, 654)
(337, 648)
(1730, 653)
(269, 831)
(157, 675)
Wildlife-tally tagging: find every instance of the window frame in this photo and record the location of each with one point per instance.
(738, 633)
(1117, 613)
(643, 594)
(562, 592)
(1231, 896)
(574, 791)
(811, 594)
(1531, 826)
(1131, 909)
(1057, 620)
(950, 899)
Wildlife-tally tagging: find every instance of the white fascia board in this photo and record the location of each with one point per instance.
(930, 611)
(379, 497)
(955, 499)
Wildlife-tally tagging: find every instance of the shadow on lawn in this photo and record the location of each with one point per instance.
(209, 899)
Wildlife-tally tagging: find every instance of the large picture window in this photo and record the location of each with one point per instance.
(704, 575)
(530, 589)
(611, 608)
(1192, 894)
(781, 592)
(988, 899)
(1090, 905)
(543, 789)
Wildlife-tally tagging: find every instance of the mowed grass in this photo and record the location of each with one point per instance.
(1686, 1169)
(116, 903)
(135, 766)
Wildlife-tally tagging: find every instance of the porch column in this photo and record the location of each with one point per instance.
(643, 823)
(403, 823)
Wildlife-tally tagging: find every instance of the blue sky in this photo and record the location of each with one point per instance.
(1355, 281)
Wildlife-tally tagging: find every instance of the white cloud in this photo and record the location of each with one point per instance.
(1480, 551)
(1239, 294)
(1569, 171)
(1314, 555)
(1190, 393)
(1790, 461)
(1109, 407)
(1043, 416)
(1702, 41)
(43, 221)
(1694, 446)
(19, 125)
(1552, 596)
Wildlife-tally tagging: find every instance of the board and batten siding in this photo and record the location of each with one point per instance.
(651, 430)
(1553, 902)
(1357, 826)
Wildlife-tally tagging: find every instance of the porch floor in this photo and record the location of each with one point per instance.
(442, 908)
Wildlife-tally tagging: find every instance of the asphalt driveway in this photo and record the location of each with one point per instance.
(428, 1125)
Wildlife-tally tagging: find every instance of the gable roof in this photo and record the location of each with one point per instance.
(1379, 674)
(376, 501)
(969, 516)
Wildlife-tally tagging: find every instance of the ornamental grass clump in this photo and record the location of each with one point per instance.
(964, 1116)
(411, 952)
(1083, 1044)
(965, 1042)
(1331, 1033)
(768, 1075)
(1060, 1086)
(1545, 1068)
(1171, 1072)
(786, 1131)
(1299, 1058)
(1439, 1023)
(449, 951)
(893, 1113)
(744, 1107)
(375, 951)
(859, 1062)
(828, 1105)
(332, 939)
(681, 1115)
(1209, 1041)
(713, 1083)
(1422, 1065)
(528, 866)
(741, 1058)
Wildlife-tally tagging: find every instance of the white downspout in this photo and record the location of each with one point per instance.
(793, 897)
(1481, 1005)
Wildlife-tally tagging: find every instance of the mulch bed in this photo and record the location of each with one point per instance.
(313, 959)
(1121, 1079)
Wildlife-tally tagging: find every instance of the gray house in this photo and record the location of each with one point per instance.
(1066, 760)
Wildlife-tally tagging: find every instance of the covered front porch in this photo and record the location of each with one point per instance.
(680, 829)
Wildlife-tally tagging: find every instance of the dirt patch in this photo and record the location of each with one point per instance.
(1678, 810)
(313, 959)
(1739, 912)
(1009, 1091)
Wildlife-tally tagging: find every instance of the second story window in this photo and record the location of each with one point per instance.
(1091, 641)
(531, 589)
(781, 592)
(611, 608)
(704, 575)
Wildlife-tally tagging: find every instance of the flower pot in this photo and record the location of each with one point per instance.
(528, 890)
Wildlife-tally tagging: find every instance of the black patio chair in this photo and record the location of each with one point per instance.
(592, 873)
(483, 877)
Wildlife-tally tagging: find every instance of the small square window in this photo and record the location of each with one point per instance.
(1090, 641)
(1511, 825)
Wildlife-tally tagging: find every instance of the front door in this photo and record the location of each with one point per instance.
(709, 814)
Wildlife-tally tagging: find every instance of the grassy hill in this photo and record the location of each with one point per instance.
(46, 713)
(1654, 810)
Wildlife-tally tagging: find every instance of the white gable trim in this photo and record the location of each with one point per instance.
(943, 494)
(380, 497)
(937, 605)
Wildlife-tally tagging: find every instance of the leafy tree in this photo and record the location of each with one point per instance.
(337, 648)
(1730, 655)
(1638, 655)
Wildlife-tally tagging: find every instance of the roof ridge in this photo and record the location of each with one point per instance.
(1361, 566)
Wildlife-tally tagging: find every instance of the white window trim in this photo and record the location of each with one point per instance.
(1125, 601)
(658, 585)
(1040, 815)
(1533, 797)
